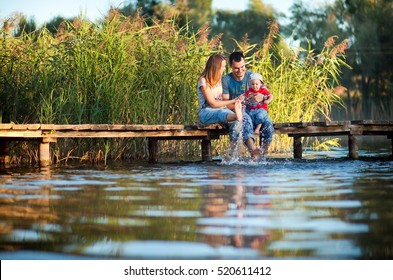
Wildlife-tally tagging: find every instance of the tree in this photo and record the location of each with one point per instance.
(194, 13)
(54, 24)
(367, 24)
(25, 26)
(200, 12)
(253, 24)
(311, 26)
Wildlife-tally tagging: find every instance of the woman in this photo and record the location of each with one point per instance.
(212, 109)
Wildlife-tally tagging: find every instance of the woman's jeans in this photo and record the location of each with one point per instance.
(210, 115)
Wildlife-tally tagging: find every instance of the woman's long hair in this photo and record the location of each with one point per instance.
(212, 72)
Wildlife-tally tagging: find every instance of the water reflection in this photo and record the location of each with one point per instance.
(320, 209)
(23, 208)
(225, 208)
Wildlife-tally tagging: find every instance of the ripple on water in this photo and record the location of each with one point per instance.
(151, 249)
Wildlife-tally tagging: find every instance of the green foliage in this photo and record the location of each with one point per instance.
(111, 73)
(128, 71)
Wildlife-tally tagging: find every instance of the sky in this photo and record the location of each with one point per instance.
(45, 10)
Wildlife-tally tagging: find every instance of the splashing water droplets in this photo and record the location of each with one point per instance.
(232, 154)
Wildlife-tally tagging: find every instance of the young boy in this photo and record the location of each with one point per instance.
(257, 98)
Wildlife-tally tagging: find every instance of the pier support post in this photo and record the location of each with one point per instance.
(353, 147)
(152, 146)
(4, 153)
(206, 150)
(44, 154)
(297, 146)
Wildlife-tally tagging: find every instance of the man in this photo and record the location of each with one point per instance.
(235, 84)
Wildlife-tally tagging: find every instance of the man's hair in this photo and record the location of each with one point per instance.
(235, 56)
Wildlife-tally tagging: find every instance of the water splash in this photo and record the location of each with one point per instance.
(232, 154)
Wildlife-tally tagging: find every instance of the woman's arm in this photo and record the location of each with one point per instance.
(207, 93)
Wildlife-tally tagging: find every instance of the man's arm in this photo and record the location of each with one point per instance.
(225, 91)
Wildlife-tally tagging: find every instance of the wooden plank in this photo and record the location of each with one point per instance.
(45, 126)
(297, 147)
(207, 137)
(44, 154)
(82, 127)
(372, 122)
(280, 125)
(319, 134)
(378, 128)
(21, 134)
(315, 130)
(206, 150)
(26, 126)
(112, 127)
(143, 127)
(298, 124)
(353, 147)
(49, 140)
(131, 134)
(152, 146)
(65, 126)
(210, 126)
(356, 129)
(5, 126)
(102, 127)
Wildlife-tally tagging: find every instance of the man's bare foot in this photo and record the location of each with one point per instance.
(256, 153)
(238, 110)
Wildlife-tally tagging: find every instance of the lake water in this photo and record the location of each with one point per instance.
(324, 206)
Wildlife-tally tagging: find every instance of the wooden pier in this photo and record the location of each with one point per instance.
(48, 133)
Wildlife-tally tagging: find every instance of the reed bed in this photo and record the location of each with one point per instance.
(124, 71)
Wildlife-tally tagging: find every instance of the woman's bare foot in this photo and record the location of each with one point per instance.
(238, 110)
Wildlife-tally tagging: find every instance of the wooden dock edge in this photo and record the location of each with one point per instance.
(48, 133)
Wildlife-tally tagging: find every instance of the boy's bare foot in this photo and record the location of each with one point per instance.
(238, 110)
